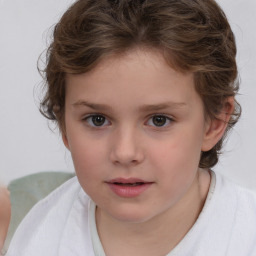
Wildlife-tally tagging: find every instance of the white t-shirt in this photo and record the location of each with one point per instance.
(63, 224)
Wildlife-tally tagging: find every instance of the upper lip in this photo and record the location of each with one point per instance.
(127, 181)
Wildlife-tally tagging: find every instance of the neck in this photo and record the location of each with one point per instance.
(159, 235)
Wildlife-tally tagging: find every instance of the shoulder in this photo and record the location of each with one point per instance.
(241, 199)
(45, 224)
(238, 204)
(61, 198)
(237, 193)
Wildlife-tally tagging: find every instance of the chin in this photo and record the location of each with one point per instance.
(131, 216)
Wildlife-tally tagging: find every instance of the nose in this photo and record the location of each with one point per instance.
(126, 148)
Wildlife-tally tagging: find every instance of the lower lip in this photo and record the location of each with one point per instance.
(129, 191)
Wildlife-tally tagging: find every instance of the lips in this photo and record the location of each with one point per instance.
(129, 184)
(128, 188)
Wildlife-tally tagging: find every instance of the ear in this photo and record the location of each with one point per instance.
(65, 140)
(216, 127)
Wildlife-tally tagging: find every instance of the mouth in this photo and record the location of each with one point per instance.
(129, 184)
(128, 188)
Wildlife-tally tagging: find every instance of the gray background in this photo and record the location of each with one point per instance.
(26, 143)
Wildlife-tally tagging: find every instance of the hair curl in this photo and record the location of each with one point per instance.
(193, 35)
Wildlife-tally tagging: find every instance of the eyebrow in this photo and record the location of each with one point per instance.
(143, 108)
(162, 106)
(94, 106)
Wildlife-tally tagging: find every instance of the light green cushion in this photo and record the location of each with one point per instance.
(27, 191)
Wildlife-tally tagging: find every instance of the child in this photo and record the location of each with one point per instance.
(143, 93)
(5, 214)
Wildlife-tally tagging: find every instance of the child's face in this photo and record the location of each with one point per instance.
(135, 128)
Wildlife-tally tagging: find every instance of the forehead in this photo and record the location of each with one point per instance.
(137, 77)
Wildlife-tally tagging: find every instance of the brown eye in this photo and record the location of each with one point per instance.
(159, 121)
(96, 120)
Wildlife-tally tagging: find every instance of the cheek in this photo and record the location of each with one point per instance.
(88, 157)
(182, 150)
(177, 160)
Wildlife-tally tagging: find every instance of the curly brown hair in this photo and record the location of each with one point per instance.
(193, 35)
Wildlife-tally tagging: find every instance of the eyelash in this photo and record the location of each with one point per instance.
(168, 120)
(89, 120)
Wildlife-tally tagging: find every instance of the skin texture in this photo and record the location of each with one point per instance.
(134, 88)
(5, 214)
